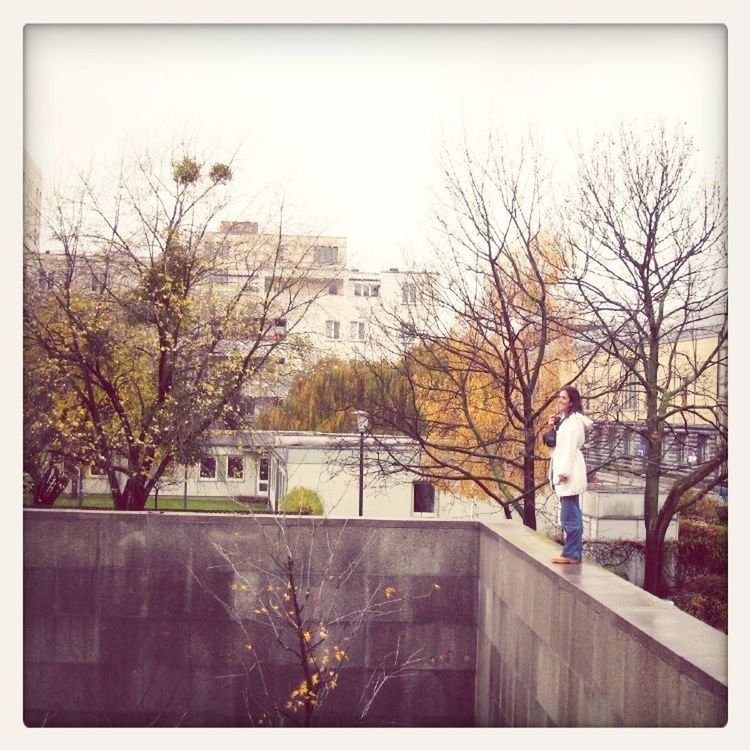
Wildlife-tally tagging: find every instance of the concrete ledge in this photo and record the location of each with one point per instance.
(620, 644)
(198, 517)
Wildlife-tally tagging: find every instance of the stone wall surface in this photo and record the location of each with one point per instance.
(124, 623)
(577, 646)
(127, 622)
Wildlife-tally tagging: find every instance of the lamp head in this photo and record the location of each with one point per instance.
(363, 419)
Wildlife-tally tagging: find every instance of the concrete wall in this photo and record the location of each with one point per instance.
(123, 627)
(578, 646)
(119, 631)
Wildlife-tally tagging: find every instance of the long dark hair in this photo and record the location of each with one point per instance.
(575, 399)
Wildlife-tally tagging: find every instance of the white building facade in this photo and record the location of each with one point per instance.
(261, 467)
(352, 312)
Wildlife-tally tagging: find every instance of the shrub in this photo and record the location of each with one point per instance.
(709, 510)
(705, 597)
(702, 549)
(302, 500)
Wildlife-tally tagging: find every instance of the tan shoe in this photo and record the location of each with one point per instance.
(566, 560)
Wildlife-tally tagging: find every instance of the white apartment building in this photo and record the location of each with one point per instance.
(354, 312)
(343, 312)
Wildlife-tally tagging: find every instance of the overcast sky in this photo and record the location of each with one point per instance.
(348, 121)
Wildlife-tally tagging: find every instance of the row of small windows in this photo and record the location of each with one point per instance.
(46, 280)
(372, 289)
(336, 287)
(360, 288)
(324, 255)
(252, 286)
(235, 470)
(423, 493)
(689, 394)
(357, 330)
(208, 470)
(679, 449)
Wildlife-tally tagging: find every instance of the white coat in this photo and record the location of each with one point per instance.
(567, 457)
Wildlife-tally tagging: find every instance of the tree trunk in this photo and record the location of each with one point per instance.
(653, 577)
(45, 498)
(48, 488)
(529, 480)
(652, 581)
(309, 712)
(655, 550)
(135, 495)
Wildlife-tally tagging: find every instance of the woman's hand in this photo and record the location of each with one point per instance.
(551, 422)
(562, 478)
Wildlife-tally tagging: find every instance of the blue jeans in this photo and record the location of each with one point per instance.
(572, 523)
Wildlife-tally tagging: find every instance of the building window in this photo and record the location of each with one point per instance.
(721, 378)
(97, 470)
(326, 255)
(680, 449)
(641, 449)
(684, 391)
(334, 288)
(47, 279)
(169, 475)
(626, 442)
(207, 468)
(221, 277)
(631, 392)
(97, 284)
(250, 285)
(279, 328)
(700, 449)
(357, 330)
(366, 289)
(409, 293)
(333, 329)
(423, 498)
(263, 474)
(235, 468)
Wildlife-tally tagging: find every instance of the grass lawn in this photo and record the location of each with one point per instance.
(218, 505)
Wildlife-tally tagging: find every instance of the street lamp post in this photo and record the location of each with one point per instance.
(362, 422)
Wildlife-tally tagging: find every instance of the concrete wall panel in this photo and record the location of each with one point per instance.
(580, 647)
(134, 618)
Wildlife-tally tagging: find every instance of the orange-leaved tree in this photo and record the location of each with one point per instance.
(486, 351)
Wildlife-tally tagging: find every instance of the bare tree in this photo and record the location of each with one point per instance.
(477, 341)
(299, 603)
(646, 263)
(158, 324)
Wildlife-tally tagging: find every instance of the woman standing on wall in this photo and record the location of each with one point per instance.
(568, 470)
